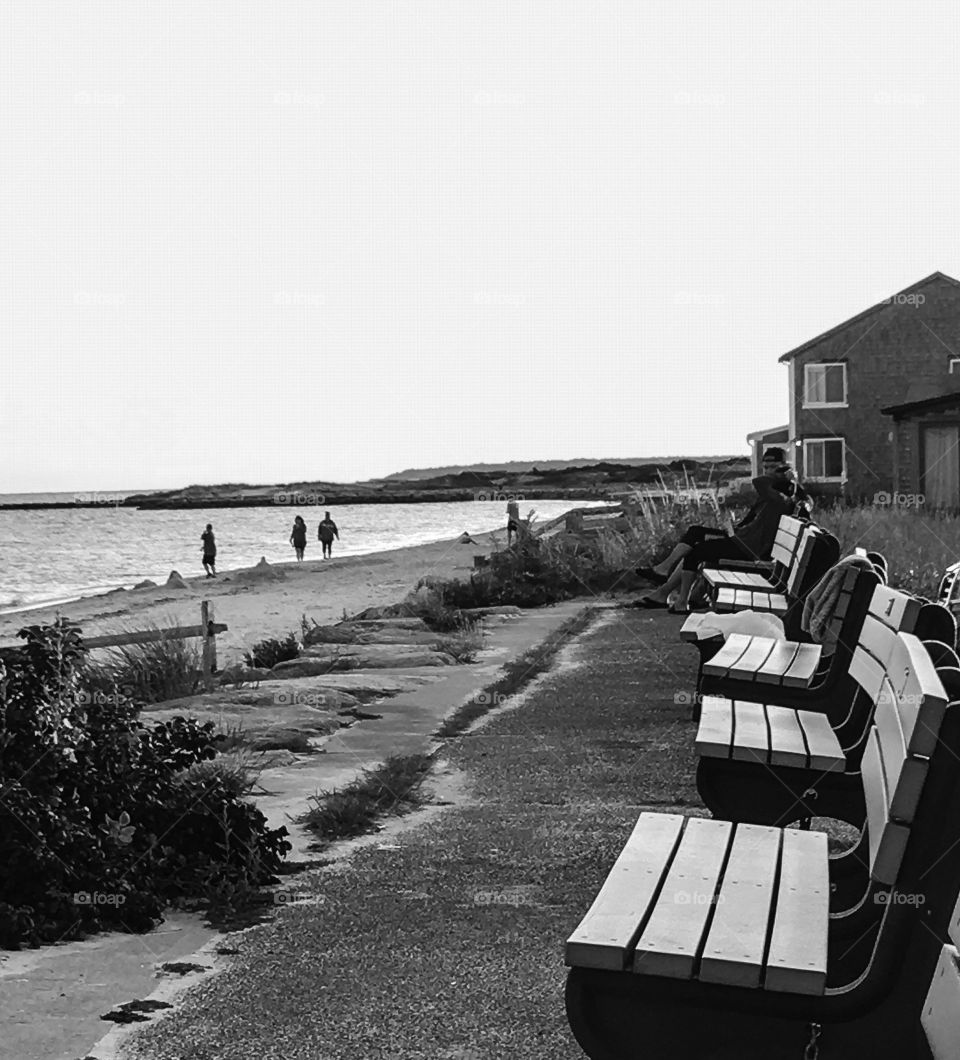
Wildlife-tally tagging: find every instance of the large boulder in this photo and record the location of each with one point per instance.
(240, 674)
(342, 634)
(175, 581)
(323, 659)
(411, 622)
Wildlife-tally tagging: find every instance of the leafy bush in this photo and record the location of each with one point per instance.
(265, 654)
(103, 822)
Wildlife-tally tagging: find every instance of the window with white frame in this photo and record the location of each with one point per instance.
(824, 385)
(824, 460)
(955, 365)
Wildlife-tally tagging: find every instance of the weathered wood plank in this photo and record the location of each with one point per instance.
(604, 938)
(887, 839)
(940, 1016)
(715, 733)
(751, 741)
(733, 952)
(804, 666)
(797, 958)
(671, 941)
(823, 749)
(787, 745)
(778, 662)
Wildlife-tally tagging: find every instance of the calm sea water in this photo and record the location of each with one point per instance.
(58, 554)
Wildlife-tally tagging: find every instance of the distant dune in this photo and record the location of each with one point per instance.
(519, 467)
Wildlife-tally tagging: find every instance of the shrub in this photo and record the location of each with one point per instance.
(918, 545)
(265, 654)
(149, 671)
(104, 821)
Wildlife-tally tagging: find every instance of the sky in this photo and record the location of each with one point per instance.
(266, 242)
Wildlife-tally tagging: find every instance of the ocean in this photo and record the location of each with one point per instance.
(52, 555)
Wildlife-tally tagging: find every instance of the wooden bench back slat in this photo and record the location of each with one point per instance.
(904, 775)
(801, 562)
(878, 639)
(887, 839)
(867, 672)
(940, 1016)
(922, 700)
(894, 609)
(605, 939)
(954, 929)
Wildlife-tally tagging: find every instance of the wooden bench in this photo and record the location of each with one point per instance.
(775, 570)
(738, 667)
(713, 939)
(818, 552)
(794, 674)
(771, 764)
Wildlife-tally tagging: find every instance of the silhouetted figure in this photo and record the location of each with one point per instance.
(513, 520)
(209, 551)
(326, 532)
(298, 538)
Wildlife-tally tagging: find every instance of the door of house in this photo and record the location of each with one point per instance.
(941, 467)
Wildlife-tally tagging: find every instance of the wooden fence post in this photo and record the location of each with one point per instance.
(209, 644)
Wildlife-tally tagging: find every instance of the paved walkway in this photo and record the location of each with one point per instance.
(51, 999)
(442, 938)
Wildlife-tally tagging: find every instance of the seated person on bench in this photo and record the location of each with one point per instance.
(750, 540)
(697, 534)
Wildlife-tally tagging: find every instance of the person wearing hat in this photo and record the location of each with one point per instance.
(696, 535)
(752, 539)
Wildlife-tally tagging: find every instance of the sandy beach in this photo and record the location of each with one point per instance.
(256, 605)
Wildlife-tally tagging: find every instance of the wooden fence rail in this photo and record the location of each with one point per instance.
(207, 630)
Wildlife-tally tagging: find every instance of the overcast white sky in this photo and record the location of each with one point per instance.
(268, 241)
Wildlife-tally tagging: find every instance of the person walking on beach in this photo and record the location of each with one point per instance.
(299, 537)
(326, 532)
(209, 551)
(513, 520)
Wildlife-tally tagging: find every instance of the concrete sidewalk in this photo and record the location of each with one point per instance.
(51, 999)
(442, 938)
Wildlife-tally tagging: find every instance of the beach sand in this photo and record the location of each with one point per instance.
(257, 605)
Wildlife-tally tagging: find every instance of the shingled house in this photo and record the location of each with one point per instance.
(875, 401)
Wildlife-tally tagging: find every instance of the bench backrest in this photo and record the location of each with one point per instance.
(785, 544)
(896, 673)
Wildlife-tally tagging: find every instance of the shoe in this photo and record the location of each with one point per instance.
(651, 575)
(648, 604)
(675, 609)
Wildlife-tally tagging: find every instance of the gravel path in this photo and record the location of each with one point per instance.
(443, 938)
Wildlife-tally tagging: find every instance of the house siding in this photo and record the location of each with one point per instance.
(904, 343)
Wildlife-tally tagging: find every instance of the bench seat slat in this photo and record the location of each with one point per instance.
(787, 746)
(941, 1010)
(753, 658)
(797, 958)
(733, 953)
(823, 748)
(605, 935)
(804, 666)
(778, 662)
(671, 941)
(751, 741)
(734, 646)
(715, 733)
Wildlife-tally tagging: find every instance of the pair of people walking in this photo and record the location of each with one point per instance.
(327, 532)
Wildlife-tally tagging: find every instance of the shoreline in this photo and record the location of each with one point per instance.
(258, 603)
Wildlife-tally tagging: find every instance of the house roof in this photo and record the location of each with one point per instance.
(934, 276)
(922, 404)
(753, 436)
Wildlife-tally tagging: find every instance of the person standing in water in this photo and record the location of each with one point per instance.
(209, 551)
(513, 520)
(299, 537)
(326, 532)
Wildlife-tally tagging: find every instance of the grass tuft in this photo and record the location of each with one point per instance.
(391, 788)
